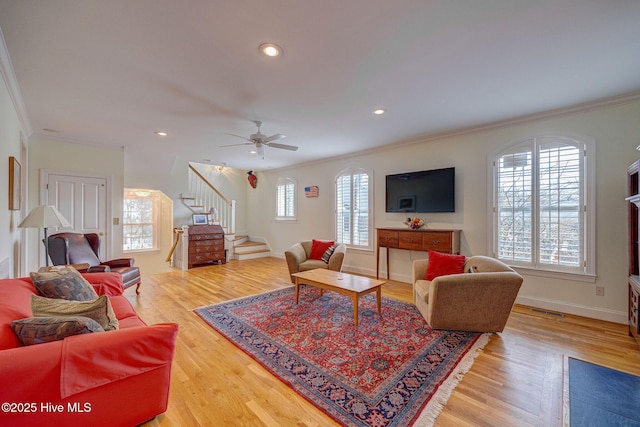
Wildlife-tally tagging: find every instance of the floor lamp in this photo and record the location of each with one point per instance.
(44, 217)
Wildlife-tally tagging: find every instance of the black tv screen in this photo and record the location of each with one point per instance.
(424, 191)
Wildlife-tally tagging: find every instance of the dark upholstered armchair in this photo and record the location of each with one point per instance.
(76, 248)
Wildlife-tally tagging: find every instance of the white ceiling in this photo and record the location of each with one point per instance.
(111, 72)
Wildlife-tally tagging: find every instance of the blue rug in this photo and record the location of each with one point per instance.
(602, 397)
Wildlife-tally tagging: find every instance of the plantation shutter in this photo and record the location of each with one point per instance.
(560, 175)
(285, 200)
(343, 209)
(539, 204)
(361, 209)
(352, 208)
(514, 205)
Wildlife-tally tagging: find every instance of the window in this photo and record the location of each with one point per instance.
(353, 215)
(140, 220)
(543, 209)
(286, 199)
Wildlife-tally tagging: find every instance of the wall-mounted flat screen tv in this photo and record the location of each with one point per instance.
(421, 192)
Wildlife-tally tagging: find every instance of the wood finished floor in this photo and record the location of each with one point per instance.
(515, 381)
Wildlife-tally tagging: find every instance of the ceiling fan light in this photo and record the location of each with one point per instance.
(270, 49)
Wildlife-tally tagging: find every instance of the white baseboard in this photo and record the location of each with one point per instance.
(578, 310)
(546, 304)
(562, 307)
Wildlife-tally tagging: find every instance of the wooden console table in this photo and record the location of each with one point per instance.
(447, 241)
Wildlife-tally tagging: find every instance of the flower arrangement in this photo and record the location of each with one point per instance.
(414, 223)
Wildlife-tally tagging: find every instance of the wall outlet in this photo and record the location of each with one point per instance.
(600, 291)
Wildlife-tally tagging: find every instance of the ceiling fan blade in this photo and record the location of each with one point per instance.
(283, 146)
(235, 145)
(274, 137)
(238, 136)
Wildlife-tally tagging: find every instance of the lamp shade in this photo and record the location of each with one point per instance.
(44, 216)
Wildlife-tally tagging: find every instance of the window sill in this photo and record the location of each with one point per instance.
(286, 219)
(563, 275)
(362, 249)
(141, 251)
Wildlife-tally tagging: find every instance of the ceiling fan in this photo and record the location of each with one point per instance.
(261, 140)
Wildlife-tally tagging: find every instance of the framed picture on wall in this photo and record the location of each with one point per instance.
(200, 219)
(14, 184)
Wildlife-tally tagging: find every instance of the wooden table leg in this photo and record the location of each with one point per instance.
(379, 299)
(355, 309)
(297, 289)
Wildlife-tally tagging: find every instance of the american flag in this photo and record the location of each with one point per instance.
(311, 191)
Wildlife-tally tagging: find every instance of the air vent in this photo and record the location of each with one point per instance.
(551, 313)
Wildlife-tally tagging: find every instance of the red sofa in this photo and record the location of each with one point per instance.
(115, 378)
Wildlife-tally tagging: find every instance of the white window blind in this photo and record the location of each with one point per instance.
(353, 218)
(139, 222)
(285, 199)
(540, 210)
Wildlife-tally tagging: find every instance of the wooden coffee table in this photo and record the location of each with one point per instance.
(342, 283)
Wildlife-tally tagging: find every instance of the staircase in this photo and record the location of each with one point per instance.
(204, 198)
(247, 249)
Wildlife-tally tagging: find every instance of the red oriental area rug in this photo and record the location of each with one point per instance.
(390, 370)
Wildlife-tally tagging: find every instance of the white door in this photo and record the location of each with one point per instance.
(83, 202)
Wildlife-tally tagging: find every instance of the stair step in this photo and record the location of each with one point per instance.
(249, 243)
(261, 253)
(257, 251)
(244, 248)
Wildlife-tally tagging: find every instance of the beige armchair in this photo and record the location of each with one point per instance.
(480, 301)
(297, 257)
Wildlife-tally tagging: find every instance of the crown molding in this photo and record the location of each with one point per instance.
(9, 77)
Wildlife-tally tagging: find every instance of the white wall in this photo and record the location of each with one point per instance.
(616, 130)
(10, 145)
(63, 156)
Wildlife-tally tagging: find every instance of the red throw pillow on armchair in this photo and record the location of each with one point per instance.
(318, 247)
(444, 264)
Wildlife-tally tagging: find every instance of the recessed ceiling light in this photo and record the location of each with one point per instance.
(270, 49)
(378, 111)
(161, 133)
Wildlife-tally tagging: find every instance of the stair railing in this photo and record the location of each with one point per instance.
(208, 200)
